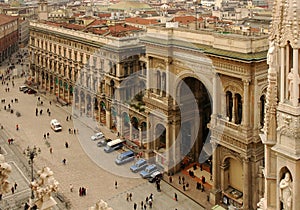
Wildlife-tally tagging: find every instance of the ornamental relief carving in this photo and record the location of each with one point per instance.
(226, 152)
(288, 125)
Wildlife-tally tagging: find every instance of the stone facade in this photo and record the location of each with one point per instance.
(215, 121)
(281, 132)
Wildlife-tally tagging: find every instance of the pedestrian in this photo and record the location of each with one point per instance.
(50, 103)
(134, 206)
(67, 118)
(183, 180)
(127, 196)
(15, 185)
(48, 134)
(74, 131)
(175, 197)
(36, 112)
(12, 190)
(142, 204)
(71, 188)
(69, 130)
(67, 145)
(70, 117)
(50, 150)
(64, 161)
(150, 203)
(41, 112)
(39, 98)
(130, 196)
(17, 127)
(116, 184)
(187, 186)
(151, 196)
(183, 187)
(49, 113)
(147, 200)
(145, 206)
(80, 191)
(1, 197)
(179, 180)
(48, 110)
(44, 136)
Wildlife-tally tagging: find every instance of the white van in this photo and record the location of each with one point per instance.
(55, 125)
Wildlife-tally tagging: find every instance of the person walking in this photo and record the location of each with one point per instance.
(127, 196)
(48, 134)
(179, 180)
(12, 190)
(64, 161)
(71, 188)
(67, 145)
(15, 185)
(183, 180)
(175, 197)
(116, 184)
(50, 150)
(44, 136)
(17, 127)
(130, 196)
(134, 206)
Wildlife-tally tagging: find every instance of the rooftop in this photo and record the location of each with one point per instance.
(4, 19)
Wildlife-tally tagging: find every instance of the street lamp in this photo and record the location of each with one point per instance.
(31, 153)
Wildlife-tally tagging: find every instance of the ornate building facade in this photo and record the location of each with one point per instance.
(282, 128)
(216, 120)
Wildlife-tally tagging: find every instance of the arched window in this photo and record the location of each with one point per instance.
(239, 108)
(229, 104)
(262, 109)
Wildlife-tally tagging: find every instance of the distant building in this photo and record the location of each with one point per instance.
(8, 36)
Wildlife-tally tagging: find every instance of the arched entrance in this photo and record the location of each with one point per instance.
(192, 138)
(135, 129)
(233, 182)
(102, 112)
(160, 144)
(125, 125)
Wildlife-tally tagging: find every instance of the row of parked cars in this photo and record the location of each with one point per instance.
(141, 166)
(26, 89)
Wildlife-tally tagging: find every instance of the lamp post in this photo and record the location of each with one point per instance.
(31, 153)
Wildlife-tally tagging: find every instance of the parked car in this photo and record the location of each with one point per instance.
(148, 171)
(23, 87)
(97, 136)
(125, 157)
(103, 142)
(31, 91)
(141, 164)
(155, 176)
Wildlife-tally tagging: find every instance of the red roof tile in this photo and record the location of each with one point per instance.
(141, 21)
(4, 19)
(184, 19)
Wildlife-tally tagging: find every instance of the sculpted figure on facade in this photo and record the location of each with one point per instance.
(293, 79)
(5, 170)
(286, 192)
(43, 187)
(271, 55)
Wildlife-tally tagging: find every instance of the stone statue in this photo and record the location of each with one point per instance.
(5, 170)
(293, 77)
(43, 187)
(286, 192)
(271, 54)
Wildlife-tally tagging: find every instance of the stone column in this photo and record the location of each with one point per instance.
(234, 106)
(246, 103)
(283, 85)
(140, 136)
(296, 79)
(167, 77)
(287, 70)
(130, 131)
(148, 73)
(247, 183)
